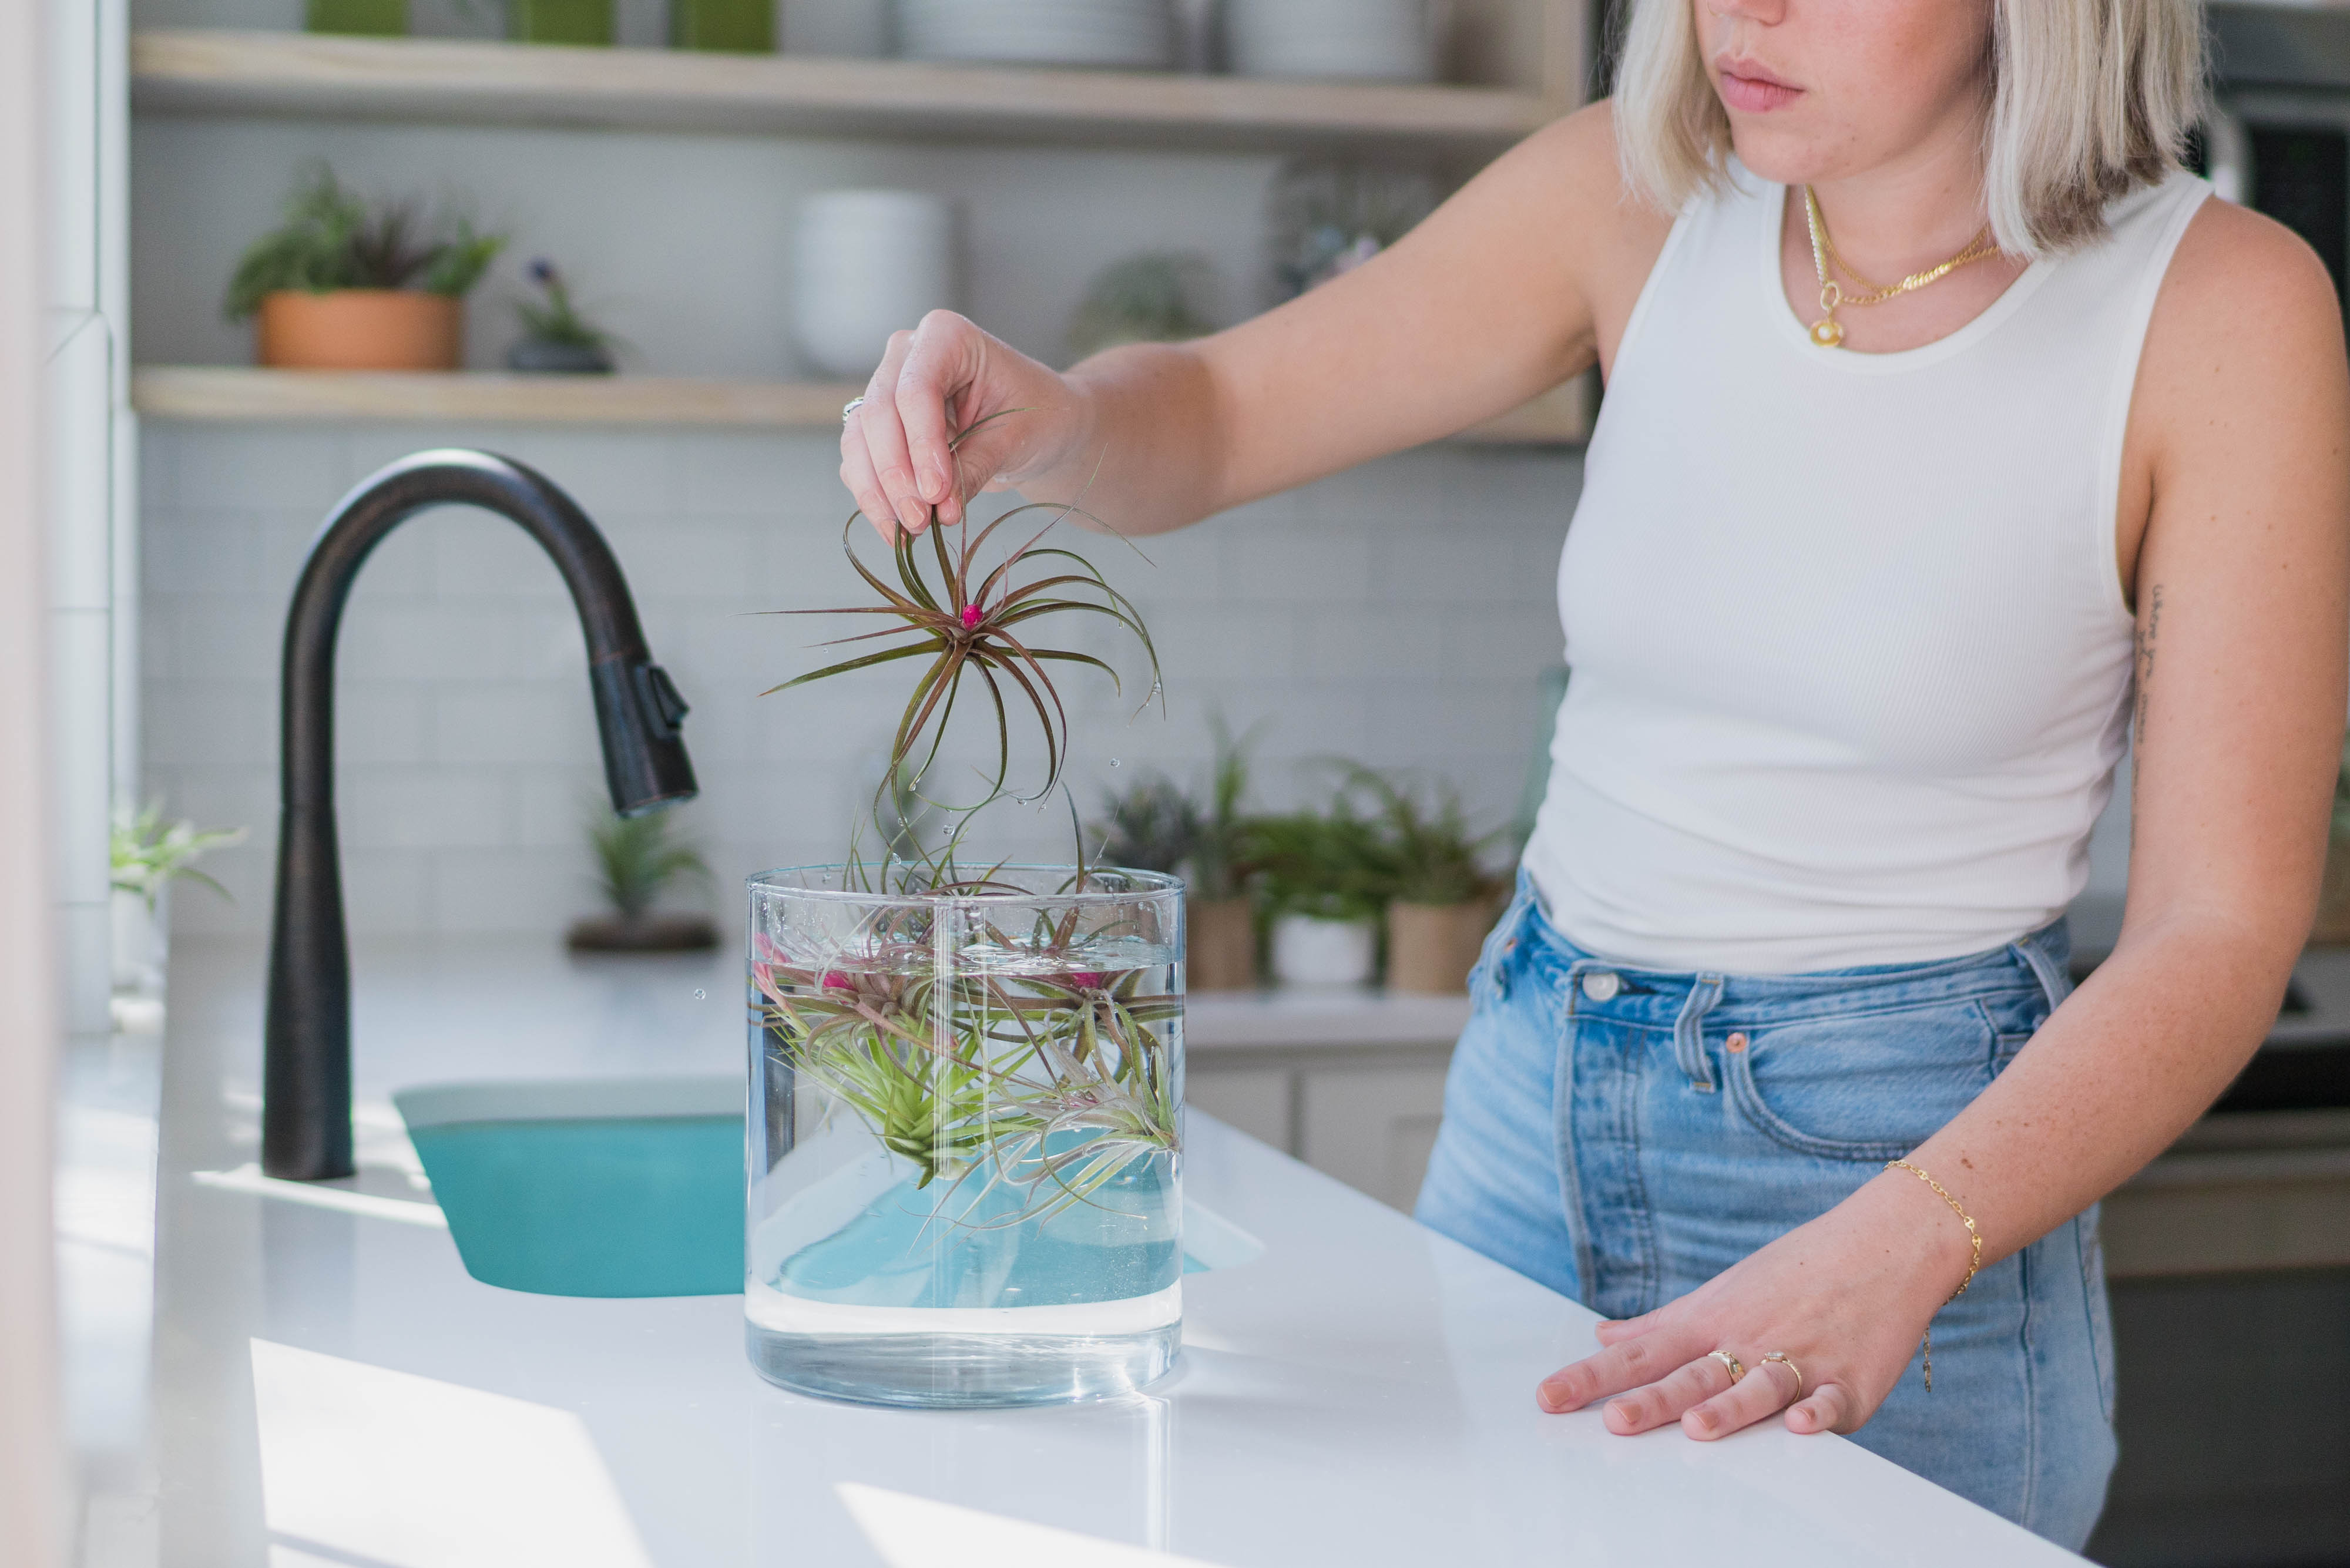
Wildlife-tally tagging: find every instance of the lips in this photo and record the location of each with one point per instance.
(1749, 87)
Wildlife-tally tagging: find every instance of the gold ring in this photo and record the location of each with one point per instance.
(1783, 1359)
(1737, 1369)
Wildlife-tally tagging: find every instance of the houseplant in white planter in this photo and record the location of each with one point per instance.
(966, 1076)
(1325, 875)
(148, 855)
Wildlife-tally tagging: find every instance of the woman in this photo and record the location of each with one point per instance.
(1864, 584)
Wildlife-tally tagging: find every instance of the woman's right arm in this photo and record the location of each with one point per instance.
(1518, 282)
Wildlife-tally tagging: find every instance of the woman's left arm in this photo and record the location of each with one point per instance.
(2237, 462)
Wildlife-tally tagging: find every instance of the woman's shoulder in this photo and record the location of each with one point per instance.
(1609, 235)
(2243, 283)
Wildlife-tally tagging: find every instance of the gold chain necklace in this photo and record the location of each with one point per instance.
(1827, 331)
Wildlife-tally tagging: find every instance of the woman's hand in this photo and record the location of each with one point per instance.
(1846, 1299)
(939, 379)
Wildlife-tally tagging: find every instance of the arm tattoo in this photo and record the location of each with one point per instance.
(2147, 634)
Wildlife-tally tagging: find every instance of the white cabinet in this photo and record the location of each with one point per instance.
(1351, 1083)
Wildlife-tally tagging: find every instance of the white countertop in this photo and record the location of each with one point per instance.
(1361, 1394)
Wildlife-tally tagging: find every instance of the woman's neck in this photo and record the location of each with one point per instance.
(1913, 212)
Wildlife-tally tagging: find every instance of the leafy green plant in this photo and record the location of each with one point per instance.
(1042, 1078)
(1433, 856)
(1152, 298)
(557, 318)
(331, 239)
(1332, 864)
(1221, 844)
(638, 859)
(147, 852)
(1152, 827)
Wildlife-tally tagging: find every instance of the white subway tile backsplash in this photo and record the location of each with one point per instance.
(1398, 614)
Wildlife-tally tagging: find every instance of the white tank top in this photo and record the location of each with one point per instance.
(1851, 665)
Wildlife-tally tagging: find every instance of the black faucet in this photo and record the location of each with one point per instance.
(306, 1117)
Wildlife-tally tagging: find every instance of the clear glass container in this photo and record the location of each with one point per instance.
(965, 1156)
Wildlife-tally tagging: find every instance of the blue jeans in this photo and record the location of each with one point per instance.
(1623, 1134)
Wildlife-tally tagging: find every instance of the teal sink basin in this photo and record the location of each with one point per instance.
(622, 1187)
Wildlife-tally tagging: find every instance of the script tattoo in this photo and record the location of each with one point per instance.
(2147, 634)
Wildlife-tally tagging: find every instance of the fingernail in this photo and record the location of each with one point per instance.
(1706, 1421)
(934, 486)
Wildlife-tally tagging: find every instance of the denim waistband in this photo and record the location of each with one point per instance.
(1630, 993)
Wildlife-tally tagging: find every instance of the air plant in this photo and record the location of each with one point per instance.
(966, 625)
(1048, 1077)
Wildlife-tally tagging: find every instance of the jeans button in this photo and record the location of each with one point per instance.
(1601, 985)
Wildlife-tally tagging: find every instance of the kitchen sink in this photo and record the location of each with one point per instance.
(621, 1187)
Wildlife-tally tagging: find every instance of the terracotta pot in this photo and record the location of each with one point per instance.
(1432, 947)
(361, 329)
(2332, 928)
(1219, 944)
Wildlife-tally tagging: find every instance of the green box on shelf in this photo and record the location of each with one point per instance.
(740, 26)
(372, 18)
(560, 22)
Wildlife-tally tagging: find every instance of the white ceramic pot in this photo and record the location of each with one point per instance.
(1310, 951)
(1354, 40)
(141, 941)
(869, 262)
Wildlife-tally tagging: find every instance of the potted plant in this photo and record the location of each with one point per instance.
(148, 855)
(1151, 299)
(1327, 877)
(367, 18)
(965, 1127)
(638, 859)
(557, 339)
(1443, 900)
(577, 22)
(732, 26)
(339, 286)
(1219, 918)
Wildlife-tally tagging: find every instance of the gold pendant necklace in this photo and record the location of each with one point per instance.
(1827, 331)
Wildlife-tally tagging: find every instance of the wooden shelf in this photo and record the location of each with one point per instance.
(238, 393)
(219, 71)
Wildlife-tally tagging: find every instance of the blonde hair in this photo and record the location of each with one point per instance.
(2089, 99)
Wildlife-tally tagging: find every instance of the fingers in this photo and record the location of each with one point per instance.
(1824, 1409)
(1765, 1390)
(1643, 1409)
(1611, 1330)
(882, 430)
(1626, 1364)
(937, 361)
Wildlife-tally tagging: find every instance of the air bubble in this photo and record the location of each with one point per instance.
(700, 996)
(1113, 761)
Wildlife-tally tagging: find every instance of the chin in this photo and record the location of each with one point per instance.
(1781, 156)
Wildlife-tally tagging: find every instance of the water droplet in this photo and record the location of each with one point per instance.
(700, 996)
(1113, 761)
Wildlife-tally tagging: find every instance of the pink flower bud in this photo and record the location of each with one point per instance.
(834, 980)
(1084, 980)
(971, 617)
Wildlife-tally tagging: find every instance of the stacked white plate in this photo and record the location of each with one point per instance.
(1135, 34)
(1348, 40)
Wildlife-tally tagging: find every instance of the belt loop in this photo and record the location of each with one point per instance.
(1689, 1033)
(1502, 943)
(2055, 982)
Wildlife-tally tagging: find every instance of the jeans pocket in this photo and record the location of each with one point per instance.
(1863, 1085)
(1500, 943)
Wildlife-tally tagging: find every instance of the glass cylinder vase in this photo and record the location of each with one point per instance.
(965, 1147)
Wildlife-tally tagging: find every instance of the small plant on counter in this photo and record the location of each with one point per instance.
(1325, 876)
(1221, 916)
(341, 285)
(1152, 827)
(555, 337)
(148, 854)
(638, 858)
(1443, 899)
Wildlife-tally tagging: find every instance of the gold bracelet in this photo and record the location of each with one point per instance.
(1973, 1236)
